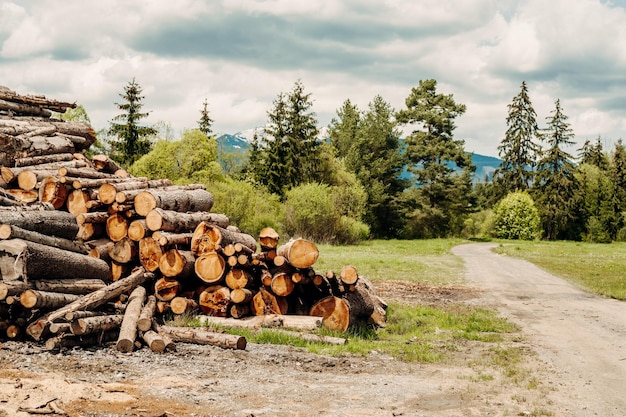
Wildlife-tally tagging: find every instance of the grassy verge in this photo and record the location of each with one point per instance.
(596, 267)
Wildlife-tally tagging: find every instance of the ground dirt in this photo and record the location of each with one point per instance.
(574, 364)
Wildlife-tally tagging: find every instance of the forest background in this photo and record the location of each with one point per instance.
(365, 181)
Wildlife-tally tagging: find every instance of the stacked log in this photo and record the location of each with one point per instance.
(89, 253)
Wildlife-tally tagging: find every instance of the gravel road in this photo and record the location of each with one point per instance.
(582, 337)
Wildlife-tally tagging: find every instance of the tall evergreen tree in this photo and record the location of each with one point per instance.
(205, 123)
(133, 139)
(555, 187)
(617, 173)
(441, 198)
(288, 154)
(593, 154)
(518, 150)
(375, 157)
(343, 129)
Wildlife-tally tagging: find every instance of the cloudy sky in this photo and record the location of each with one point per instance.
(239, 55)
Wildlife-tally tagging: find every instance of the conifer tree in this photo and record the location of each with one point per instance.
(555, 186)
(518, 150)
(343, 129)
(593, 154)
(617, 173)
(441, 198)
(133, 140)
(205, 123)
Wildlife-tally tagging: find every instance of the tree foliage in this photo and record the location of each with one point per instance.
(133, 140)
(593, 154)
(555, 186)
(516, 217)
(519, 149)
(343, 129)
(205, 123)
(442, 197)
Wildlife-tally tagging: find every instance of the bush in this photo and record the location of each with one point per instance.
(479, 225)
(516, 217)
(596, 231)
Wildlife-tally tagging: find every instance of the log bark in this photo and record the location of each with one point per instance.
(177, 263)
(45, 300)
(8, 288)
(176, 200)
(205, 337)
(8, 231)
(305, 323)
(129, 195)
(78, 286)
(88, 302)
(150, 253)
(128, 328)
(155, 341)
(79, 183)
(144, 323)
(13, 147)
(300, 253)
(108, 191)
(103, 163)
(100, 248)
(67, 340)
(171, 221)
(25, 260)
(87, 325)
(44, 159)
(334, 311)
(209, 237)
(52, 223)
(210, 267)
(92, 217)
(168, 239)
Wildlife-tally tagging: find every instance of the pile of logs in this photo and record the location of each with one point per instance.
(90, 254)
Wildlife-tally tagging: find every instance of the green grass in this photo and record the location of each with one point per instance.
(594, 266)
(428, 261)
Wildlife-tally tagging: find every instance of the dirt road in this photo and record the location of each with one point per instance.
(581, 336)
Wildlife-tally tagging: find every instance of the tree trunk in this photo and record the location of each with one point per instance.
(67, 340)
(305, 323)
(182, 305)
(124, 251)
(210, 267)
(95, 324)
(170, 239)
(137, 229)
(238, 311)
(92, 217)
(268, 238)
(24, 197)
(90, 301)
(8, 231)
(126, 196)
(349, 275)
(103, 163)
(52, 223)
(165, 289)
(128, 328)
(238, 278)
(144, 323)
(205, 337)
(155, 341)
(334, 311)
(24, 260)
(44, 300)
(107, 192)
(117, 227)
(9, 288)
(208, 237)
(264, 303)
(44, 159)
(13, 147)
(150, 253)
(300, 253)
(79, 286)
(79, 183)
(176, 200)
(215, 300)
(177, 263)
(172, 221)
(241, 296)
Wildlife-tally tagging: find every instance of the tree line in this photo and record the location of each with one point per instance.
(367, 181)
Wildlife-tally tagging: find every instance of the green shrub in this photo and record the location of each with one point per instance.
(596, 231)
(516, 217)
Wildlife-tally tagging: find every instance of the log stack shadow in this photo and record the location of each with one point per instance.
(90, 254)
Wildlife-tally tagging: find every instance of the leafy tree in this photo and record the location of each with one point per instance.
(205, 123)
(594, 154)
(516, 217)
(441, 197)
(191, 159)
(374, 156)
(555, 185)
(132, 139)
(77, 114)
(288, 155)
(343, 129)
(596, 195)
(518, 150)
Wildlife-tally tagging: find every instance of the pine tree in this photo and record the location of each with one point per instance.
(133, 139)
(205, 123)
(555, 186)
(343, 129)
(288, 154)
(617, 173)
(375, 157)
(441, 198)
(593, 154)
(518, 150)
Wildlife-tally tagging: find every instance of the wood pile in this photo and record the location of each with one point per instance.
(90, 254)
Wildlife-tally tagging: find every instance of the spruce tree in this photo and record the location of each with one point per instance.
(343, 129)
(133, 140)
(205, 123)
(617, 173)
(441, 198)
(374, 156)
(555, 186)
(593, 154)
(518, 150)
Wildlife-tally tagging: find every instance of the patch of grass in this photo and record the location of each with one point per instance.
(594, 266)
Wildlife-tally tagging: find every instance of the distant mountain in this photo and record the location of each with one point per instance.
(240, 142)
